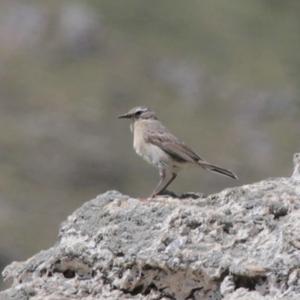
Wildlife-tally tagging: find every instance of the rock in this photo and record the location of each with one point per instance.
(242, 243)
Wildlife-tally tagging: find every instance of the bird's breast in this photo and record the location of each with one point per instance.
(151, 153)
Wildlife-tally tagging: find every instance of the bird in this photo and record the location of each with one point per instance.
(159, 147)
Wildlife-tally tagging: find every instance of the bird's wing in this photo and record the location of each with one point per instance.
(172, 146)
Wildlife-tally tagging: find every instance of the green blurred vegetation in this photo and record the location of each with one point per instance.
(223, 75)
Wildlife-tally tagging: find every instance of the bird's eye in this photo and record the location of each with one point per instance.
(138, 113)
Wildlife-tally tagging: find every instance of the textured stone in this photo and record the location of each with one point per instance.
(242, 243)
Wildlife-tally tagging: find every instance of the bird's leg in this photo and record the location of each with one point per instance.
(163, 184)
(162, 175)
(174, 175)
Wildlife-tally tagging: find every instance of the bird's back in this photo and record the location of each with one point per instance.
(154, 133)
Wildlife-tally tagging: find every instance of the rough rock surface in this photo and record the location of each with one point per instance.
(240, 244)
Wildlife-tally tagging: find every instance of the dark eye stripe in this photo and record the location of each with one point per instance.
(139, 112)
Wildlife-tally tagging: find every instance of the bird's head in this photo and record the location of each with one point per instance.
(139, 113)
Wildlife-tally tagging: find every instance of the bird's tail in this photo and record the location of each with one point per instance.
(217, 169)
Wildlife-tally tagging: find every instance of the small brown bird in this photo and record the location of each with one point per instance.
(158, 146)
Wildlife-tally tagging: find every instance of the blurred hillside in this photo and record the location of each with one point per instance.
(223, 75)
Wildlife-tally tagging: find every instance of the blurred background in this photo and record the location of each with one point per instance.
(223, 75)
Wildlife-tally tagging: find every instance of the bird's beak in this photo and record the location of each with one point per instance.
(125, 116)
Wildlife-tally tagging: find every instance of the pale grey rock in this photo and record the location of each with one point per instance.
(242, 243)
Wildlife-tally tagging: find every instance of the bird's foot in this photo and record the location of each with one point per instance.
(165, 193)
(192, 195)
(147, 199)
(143, 199)
(168, 194)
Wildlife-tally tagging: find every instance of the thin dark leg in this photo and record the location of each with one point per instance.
(168, 182)
(162, 185)
(162, 174)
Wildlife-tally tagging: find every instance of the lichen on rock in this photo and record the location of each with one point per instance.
(242, 243)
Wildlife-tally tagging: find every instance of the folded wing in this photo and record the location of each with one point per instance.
(172, 146)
